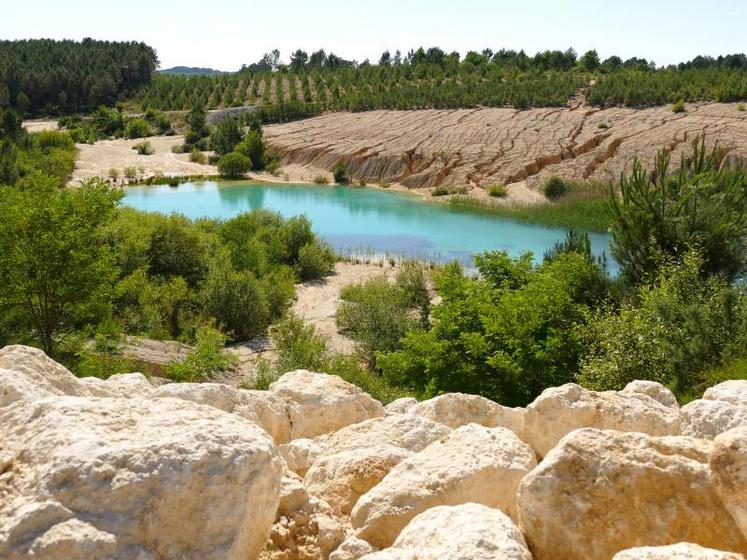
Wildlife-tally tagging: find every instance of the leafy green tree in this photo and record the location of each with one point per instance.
(589, 61)
(253, 147)
(659, 215)
(225, 136)
(54, 270)
(137, 128)
(234, 164)
(196, 124)
(176, 249)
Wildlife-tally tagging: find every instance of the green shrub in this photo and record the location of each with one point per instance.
(740, 107)
(384, 184)
(320, 180)
(178, 148)
(361, 182)
(196, 156)
(339, 174)
(315, 260)
(144, 148)
(554, 187)
(253, 147)
(207, 358)
(130, 172)
(498, 190)
(603, 125)
(234, 165)
(114, 174)
(225, 137)
(137, 128)
(440, 190)
(678, 107)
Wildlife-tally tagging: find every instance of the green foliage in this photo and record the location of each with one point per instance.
(137, 128)
(679, 106)
(54, 270)
(675, 331)
(320, 180)
(196, 124)
(339, 174)
(234, 164)
(506, 336)
(315, 260)
(196, 156)
(144, 148)
(225, 136)
(253, 147)
(207, 358)
(498, 190)
(554, 187)
(176, 249)
(443, 190)
(659, 215)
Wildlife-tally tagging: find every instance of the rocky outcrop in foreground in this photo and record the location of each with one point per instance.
(314, 468)
(482, 146)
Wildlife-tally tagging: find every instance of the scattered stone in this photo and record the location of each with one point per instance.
(599, 492)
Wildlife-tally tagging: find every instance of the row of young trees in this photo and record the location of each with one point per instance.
(433, 79)
(61, 77)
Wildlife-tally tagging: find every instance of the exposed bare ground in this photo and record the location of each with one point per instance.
(316, 303)
(478, 147)
(97, 159)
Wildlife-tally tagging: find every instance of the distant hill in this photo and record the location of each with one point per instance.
(191, 71)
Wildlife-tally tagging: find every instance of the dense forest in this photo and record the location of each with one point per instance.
(44, 76)
(434, 79)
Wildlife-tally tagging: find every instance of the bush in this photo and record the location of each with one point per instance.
(253, 147)
(137, 128)
(144, 148)
(196, 156)
(130, 172)
(498, 190)
(225, 137)
(315, 259)
(207, 358)
(554, 187)
(678, 107)
(385, 184)
(339, 174)
(440, 190)
(114, 174)
(603, 125)
(320, 180)
(234, 165)
(740, 107)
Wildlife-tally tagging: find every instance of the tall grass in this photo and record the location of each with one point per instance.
(583, 207)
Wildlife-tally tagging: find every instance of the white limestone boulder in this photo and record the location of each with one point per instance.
(401, 406)
(261, 407)
(679, 551)
(706, 419)
(321, 403)
(463, 532)
(471, 464)
(300, 454)
(460, 409)
(653, 389)
(133, 478)
(123, 385)
(356, 458)
(560, 410)
(352, 548)
(733, 391)
(728, 463)
(601, 491)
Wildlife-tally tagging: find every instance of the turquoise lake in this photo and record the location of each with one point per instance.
(358, 220)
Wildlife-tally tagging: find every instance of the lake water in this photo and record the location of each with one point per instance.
(359, 220)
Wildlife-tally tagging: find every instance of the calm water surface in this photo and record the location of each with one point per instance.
(361, 220)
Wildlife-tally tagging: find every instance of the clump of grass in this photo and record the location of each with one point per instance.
(320, 180)
(196, 156)
(442, 190)
(385, 184)
(114, 174)
(361, 182)
(554, 187)
(498, 190)
(144, 148)
(603, 125)
(740, 107)
(678, 107)
(130, 173)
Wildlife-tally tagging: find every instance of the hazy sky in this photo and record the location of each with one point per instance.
(224, 34)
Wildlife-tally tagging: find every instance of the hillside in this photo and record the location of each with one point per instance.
(488, 145)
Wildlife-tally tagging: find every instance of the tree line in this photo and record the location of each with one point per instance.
(45, 76)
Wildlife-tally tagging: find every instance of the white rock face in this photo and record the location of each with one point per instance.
(400, 406)
(28, 374)
(728, 463)
(263, 408)
(598, 492)
(463, 532)
(733, 391)
(124, 385)
(680, 551)
(300, 454)
(655, 390)
(706, 419)
(472, 464)
(352, 548)
(560, 410)
(459, 409)
(358, 457)
(321, 403)
(141, 477)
